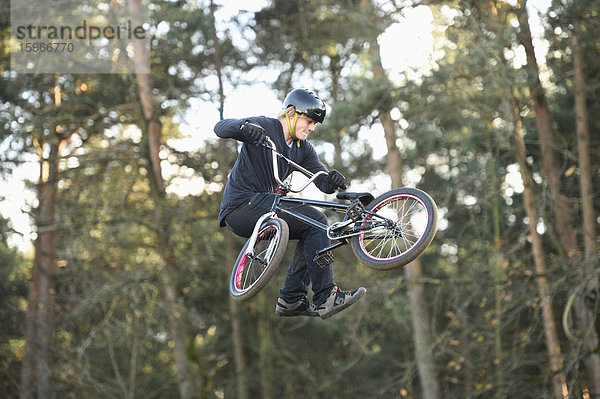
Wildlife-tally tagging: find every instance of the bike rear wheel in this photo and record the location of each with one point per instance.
(252, 271)
(411, 223)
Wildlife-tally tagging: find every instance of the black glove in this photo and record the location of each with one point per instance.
(336, 179)
(255, 132)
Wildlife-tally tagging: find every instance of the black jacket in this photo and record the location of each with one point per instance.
(253, 170)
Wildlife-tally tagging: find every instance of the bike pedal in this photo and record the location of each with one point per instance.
(324, 259)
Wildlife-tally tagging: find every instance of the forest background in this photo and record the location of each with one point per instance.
(124, 290)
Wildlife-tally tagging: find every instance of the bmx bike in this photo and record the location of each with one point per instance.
(385, 233)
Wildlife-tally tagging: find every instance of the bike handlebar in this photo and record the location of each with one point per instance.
(311, 176)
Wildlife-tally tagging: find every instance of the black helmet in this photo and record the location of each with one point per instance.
(306, 102)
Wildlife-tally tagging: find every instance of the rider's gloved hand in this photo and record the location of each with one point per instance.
(255, 133)
(336, 179)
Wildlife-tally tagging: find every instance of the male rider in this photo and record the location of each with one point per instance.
(249, 194)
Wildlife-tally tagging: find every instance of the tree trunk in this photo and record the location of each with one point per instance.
(36, 375)
(238, 348)
(559, 384)
(29, 359)
(423, 339)
(226, 162)
(28, 367)
(237, 335)
(587, 323)
(419, 314)
(45, 307)
(583, 150)
(583, 315)
(266, 349)
(188, 388)
(499, 276)
(420, 318)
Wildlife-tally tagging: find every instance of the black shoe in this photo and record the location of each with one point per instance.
(339, 300)
(301, 307)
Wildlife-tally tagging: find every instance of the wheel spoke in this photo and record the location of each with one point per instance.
(258, 262)
(387, 242)
(254, 267)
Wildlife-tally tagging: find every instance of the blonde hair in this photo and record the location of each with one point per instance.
(289, 111)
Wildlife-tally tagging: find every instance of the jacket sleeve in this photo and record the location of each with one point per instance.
(232, 129)
(229, 129)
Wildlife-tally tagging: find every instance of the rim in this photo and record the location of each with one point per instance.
(412, 215)
(254, 270)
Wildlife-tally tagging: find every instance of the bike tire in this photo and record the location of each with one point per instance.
(415, 212)
(249, 276)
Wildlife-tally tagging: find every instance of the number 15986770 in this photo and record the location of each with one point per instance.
(46, 47)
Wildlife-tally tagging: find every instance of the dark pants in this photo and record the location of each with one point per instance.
(302, 270)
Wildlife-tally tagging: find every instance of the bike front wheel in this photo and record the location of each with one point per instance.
(399, 226)
(253, 269)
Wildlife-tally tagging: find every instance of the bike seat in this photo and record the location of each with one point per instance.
(365, 198)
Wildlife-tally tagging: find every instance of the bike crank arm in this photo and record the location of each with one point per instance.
(349, 234)
(358, 230)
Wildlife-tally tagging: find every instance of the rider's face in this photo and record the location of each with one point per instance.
(304, 126)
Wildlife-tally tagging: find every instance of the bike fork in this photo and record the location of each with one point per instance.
(254, 236)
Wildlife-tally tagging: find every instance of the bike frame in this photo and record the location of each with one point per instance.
(385, 233)
(282, 201)
(284, 204)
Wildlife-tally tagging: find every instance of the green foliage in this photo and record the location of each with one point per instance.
(13, 294)
(560, 28)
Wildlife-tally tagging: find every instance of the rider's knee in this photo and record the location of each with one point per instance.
(320, 216)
